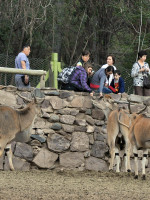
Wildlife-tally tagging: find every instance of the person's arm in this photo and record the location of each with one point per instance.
(102, 81)
(23, 65)
(83, 80)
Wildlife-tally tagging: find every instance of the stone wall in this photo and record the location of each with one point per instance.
(69, 130)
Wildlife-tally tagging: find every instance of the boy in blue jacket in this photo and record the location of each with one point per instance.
(117, 85)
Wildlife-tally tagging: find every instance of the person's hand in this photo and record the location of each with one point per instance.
(26, 79)
(91, 94)
(142, 69)
(101, 95)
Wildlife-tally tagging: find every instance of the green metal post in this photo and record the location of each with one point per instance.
(56, 67)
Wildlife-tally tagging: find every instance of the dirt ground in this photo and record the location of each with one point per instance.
(72, 185)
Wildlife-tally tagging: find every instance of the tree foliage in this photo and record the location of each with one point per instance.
(119, 27)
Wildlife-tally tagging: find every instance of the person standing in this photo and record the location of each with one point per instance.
(110, 62)
(139, 70)
(22, 62)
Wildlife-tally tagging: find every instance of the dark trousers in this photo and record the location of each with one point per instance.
(141, 91)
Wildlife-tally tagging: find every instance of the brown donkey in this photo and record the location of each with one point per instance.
(139, 135)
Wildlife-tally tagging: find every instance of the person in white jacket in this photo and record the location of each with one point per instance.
(110, 62)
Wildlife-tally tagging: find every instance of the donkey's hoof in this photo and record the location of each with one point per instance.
(110, 170)
(136, 177)
(143, 177)
(129, 170)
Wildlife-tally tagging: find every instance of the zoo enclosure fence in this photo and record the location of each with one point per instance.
(44, 64)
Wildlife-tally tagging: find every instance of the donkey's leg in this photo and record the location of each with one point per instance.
(135, 161)
(127, 154)
(112, 154)
(117, 159)
(144, 159)
(9, 155)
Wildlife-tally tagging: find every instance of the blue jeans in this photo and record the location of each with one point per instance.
(105, 90)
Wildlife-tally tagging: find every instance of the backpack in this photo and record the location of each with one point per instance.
(65, 75)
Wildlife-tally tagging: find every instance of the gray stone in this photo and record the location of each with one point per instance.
(56, 126)
(23, 136)
(91, 138)
(98, 114)
(98, 122)
(87, 102)
(81, 122)
(67, 119)
(116, 97)
(45, 104)
(88, 112)
(38, 93)
(40, 138)
(135, 98)
(147, 102)
(45, 115)
(10, 88)
(64, 111)
(39, 132)
(74, 112)
(136, 108)
(77, 102)
(80, 142)
(54, 118)
(90, 129)
(48, 131)
(68, 128)
(80, 116)
(99, 149)
(45, 159)
(24, 151)
(97, 129)
(36, 143)
(96, 164)
(64, 94)
(52, 93)
(71, 159)
(89, 120)
(58, 143)
(80, 128)
(47, 110)
(39, 123)
(57, 103)
(99, 137)
(19, 164)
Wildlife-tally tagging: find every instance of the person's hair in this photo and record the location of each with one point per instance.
(110, 69)
(113, 58)
(85, 53)
(87, 65)
(117, 72)
(141, 53)
(25, 46)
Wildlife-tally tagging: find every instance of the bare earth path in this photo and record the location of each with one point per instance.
(72, 185)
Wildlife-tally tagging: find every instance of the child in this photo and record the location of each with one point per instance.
(85, 58)
(117, 85)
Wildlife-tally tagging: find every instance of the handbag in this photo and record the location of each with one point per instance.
(146, 82)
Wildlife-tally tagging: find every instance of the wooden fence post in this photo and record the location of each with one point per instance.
(56, 67)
